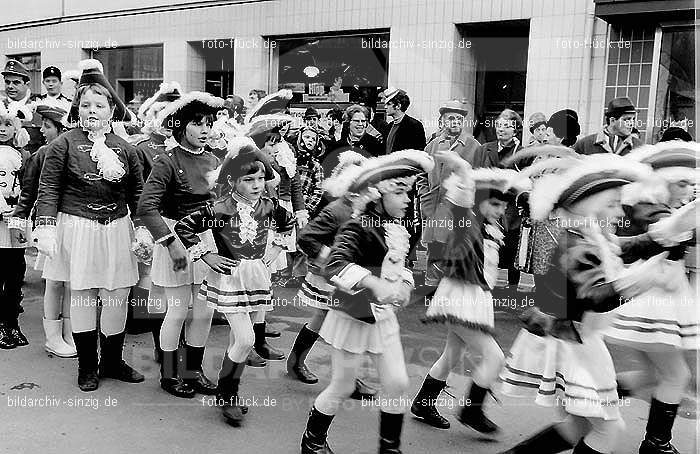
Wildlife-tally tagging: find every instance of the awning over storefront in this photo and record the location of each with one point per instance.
(613, 10)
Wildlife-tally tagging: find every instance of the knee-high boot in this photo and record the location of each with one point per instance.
(390, 425)
(265, 350)
(295, 362)
(227, 395)
(424, 403)
(314, 440)
(112, 365)
(86, 345)
(658, 437)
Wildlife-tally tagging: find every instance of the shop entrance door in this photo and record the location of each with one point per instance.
(218, 63)
(500, 51)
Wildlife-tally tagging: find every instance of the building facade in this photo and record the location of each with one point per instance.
(530, 55)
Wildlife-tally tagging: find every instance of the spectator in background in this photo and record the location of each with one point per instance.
(406, 132)
(17, 94)
(254, 97)
(436, 212)
(335, 131)
(676, 133)
(236, 108)
(51, 78)
(508, 126)
(538, 129)
(563, 128)
(616, 136)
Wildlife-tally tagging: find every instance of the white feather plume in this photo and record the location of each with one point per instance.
(90, 63)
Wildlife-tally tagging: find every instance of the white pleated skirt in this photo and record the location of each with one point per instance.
(580, 378)
(162, 265)
(344, 332)
(246, 289)
(461, 303)
(92, 255)
(316, 292)
(659, 318)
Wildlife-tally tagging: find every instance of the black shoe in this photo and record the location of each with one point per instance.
(193, 374)
(362, 391)
(658, 436)
(88, 380)
(169, 380)
(17, 335)
(295, 363)
(314, 440)
(177, 388)
(111, 363)
(390, 426)
(86, 346)
(473, 416)
(254, 360)
(424, 403)
(263, 349)
(7, 340)
(201, 384)
(547, 441)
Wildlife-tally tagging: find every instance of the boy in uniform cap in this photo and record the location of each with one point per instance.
(616, 136)
(51, 78)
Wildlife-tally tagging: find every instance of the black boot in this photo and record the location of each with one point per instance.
(314, 439)
(473, 416)
(194, 374)
(295, 362)
(390, 425)
(548, 441)
(254, 360)
(659, 426)
(169, 380)
(227, 396)
(262, 347)
(17, 336)
(112, 365)
(7, 341)
(424, 403)
(156, 324)
(583, 448)
(86, 346)
(363, 391)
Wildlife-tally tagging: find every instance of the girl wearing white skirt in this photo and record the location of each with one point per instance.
(367, 265)
(14, 232)
(463, 300)
(57, 327)
(238, 284)
(316, 293)
(90, 181)
(663, 322)
(561, 358)
(177, 186)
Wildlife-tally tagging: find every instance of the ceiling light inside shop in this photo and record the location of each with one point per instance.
(311, 71)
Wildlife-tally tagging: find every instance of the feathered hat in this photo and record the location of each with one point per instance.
(55, 114)
(540, 153)
(92, 72)
(167, 93)
(347, 161)
(268, 115)
(503, 184)
(581, 178)
(177, 114)
(672, 162)
(239, 152)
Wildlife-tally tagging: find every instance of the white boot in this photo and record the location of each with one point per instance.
(68, 332)
(54, 340)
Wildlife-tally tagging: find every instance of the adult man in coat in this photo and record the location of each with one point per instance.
(436, 214)
(616, 136)
(406, 133)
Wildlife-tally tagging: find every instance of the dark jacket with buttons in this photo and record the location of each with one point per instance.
(176, 187)
(148, 147)
(70, 181)
(30, 183)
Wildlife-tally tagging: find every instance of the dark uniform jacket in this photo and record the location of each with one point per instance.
(70, 181)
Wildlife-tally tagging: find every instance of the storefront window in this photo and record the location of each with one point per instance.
(676, 89)
(335, 70)
(630, 58)
(135, 72)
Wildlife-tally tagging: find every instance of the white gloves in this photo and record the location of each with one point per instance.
(46, 240)
(676, 228)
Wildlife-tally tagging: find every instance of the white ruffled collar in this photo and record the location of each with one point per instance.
(109, 165)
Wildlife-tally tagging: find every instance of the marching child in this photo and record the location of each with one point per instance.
(367, 265)
(14, 232)
(238, 284)
(463, 299)
(57, 327)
